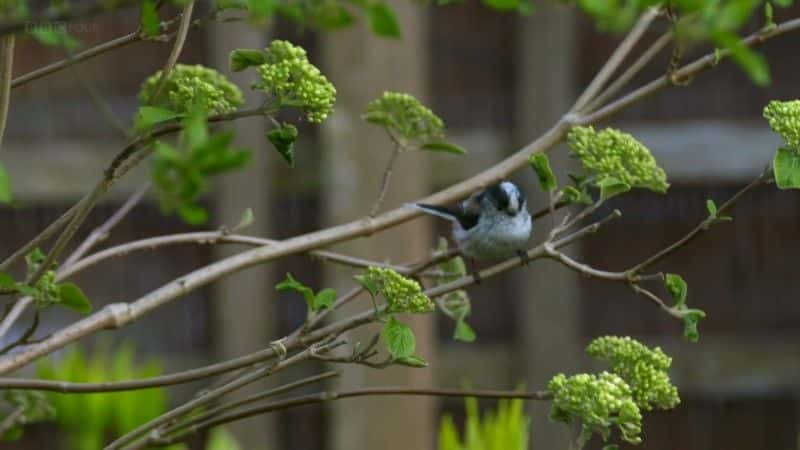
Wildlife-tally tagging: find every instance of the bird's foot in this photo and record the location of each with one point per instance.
(523, 257)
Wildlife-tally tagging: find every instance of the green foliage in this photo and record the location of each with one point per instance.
(189, 88)
(541, 165)
(637, 382)
(403, 295)
(149, 18)
(406, 117)
(786, 166)
(616, 161)
(713, 216)
(507, 428)
(148, 116)
(292, 81)
(54, 36)
(784, 118)
(678, 290)
(382, 20)
(87, 419)
(399, 339)
(11, 10)
(46, 291)
(34, 406)
(5, 185)
(314, 301)
(716, 22)
(221, 439)
(283, 138)
(456, 304)
(182, 175)
(644, 369)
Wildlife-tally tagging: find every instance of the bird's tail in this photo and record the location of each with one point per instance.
(439, 211)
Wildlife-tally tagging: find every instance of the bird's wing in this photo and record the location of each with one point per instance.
(467, 219)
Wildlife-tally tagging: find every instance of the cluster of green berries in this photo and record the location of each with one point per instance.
(187, 87)
(406, 116)
(288, 76)
(599, 401)
(637, 382)
(643, 368)
(784, 118)
(611, 153)
(402, 294)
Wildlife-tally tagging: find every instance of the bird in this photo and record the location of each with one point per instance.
(493, 223)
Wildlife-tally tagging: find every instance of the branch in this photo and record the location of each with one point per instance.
(6, 65)
(387, 178)
(326, 396)
(686, 72)
(177, 48)
(10, 421)
(75, 11)
(616, 59)
(120, 314)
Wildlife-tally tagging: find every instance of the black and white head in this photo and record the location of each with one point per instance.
(505, 197)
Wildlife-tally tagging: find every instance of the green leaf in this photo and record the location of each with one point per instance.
(399, 339)
(324, 299)
(54, 37)
(221, 439)
(754, 64)
(382, 20)
(147, 116)
(677, 288)
(370, 284)
(503, 5)
(464, 332)
(786, 166)
(290, 284)
(195, 129)
(34, 259)
(332, 16)
(7, 282)
(691, 318)
(541, 165)
(242, 58)
(610, 187)
(283, 139)
(149, 20)
(193, 214)
(12, 434)
(441, 146)
(73, 297)
(5, 185)
(412, 361)
(711, 207)
(261, 9)
(574, 195)
(783, 3)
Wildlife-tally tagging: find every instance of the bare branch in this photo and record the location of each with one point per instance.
(6, 66)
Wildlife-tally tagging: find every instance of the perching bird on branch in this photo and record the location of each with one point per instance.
(491, 224)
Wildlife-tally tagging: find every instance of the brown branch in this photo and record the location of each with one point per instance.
(326, 396)
(387, 178)
(74, 12)
(177, 48)
(6, 65)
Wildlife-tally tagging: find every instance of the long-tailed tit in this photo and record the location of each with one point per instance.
(490, 224)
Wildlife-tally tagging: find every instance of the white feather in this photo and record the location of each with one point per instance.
(433, 212)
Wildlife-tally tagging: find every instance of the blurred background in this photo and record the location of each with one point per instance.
(498, 80)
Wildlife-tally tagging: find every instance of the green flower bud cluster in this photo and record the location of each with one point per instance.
(295, 82)
(406, 116)
(403, 295)
(612, 154)
(192, 86)
(644, 369)
(600, 401)
(46, 290)
(784, 118)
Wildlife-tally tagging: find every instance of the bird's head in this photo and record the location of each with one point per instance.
(506, 197)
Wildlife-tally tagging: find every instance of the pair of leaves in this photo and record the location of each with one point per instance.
(315, 301)
(456, 304)
(678, 290)
(66, 294)
(401, 343)
(182, 175)
(713, 215)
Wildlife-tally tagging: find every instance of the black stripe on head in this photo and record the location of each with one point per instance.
(498, 196)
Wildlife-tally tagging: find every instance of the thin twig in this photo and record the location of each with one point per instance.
(631, 71)
(101, 233)
(10, 421)
(327, 396)
(387, 178)
(74, 12)
(177, 48)
(6, 66)
(613, 63)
